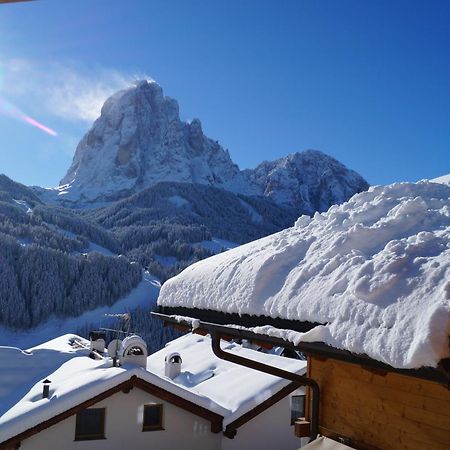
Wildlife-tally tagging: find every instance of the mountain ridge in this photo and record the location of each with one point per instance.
(140, 140)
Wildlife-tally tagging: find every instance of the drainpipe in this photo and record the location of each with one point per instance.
(256, 365)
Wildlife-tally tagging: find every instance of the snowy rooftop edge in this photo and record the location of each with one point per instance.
(375, 269)
(26, 408)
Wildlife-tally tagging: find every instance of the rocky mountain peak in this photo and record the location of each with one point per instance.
(309, 181)
(139, 140)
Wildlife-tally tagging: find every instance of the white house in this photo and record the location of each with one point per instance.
(62, 395)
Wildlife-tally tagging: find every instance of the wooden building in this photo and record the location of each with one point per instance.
(362, 403)
(369, 407)
(373, 275)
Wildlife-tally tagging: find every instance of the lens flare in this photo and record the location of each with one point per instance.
(9, 110)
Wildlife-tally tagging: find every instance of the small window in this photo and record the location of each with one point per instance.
(90, 424)
(297, 407)
(153, 417)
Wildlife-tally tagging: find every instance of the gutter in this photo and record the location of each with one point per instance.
(219, 332)
(300, 380)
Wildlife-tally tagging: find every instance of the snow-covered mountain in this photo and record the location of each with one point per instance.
(309, 181)
(139, 140)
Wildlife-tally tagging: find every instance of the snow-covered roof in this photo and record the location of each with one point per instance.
(219, 386)
(375, 271)
(444, 179)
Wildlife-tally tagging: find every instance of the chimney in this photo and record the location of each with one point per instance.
(172, 365)
(46, 388)
(133, 351)
(97, 339)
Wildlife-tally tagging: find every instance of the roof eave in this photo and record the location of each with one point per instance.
(441, 374)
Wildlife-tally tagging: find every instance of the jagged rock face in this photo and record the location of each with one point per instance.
(140, 140)
(308, 181)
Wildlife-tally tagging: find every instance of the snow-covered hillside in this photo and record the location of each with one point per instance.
(139, 140)
(142, 296)
(375, 271)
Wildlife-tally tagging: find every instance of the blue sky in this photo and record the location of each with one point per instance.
(367, 82)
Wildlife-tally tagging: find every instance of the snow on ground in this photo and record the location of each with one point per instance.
(375, 271)
(178, 201)
(93, 247)
(144, 294)
(99, 249)
(23, 204)
(256, 217)
(222, 387)
(217, 245)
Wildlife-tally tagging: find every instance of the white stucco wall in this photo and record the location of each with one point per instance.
(123, 428)
(270, 430)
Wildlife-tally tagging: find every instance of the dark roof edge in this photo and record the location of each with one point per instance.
(244, 320)
(440, 375)
(215, 419)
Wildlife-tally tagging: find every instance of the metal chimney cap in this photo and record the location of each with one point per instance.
(46, 381)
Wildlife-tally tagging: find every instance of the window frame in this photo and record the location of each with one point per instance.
(293, 419)
(90, 437)
(155, 427)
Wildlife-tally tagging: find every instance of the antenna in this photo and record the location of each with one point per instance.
(115, 344)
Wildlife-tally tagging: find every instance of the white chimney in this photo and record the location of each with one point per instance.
(173, 365)
(133, 351)
(97, 339)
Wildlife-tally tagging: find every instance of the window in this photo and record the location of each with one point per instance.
(297, 407)
(153, 417)
(90, 424)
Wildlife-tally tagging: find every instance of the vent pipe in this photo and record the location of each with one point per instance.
(172, 365)
(46, 388)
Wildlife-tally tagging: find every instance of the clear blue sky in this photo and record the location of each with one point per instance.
(367, 82)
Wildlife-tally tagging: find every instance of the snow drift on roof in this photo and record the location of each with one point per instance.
(445, 179)
(374, 270)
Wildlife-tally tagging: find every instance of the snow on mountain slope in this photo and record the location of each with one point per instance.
(310, 181)
(375, 271)
(144, 295)
(15, 190)
(139, 140)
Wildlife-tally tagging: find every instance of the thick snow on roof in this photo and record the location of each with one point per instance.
(375, 271)
(220, 386)
(444, 179)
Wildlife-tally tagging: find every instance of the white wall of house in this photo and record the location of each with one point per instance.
(123, 428)
(269, 430)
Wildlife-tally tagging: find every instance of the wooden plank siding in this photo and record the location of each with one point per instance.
(381, 410)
